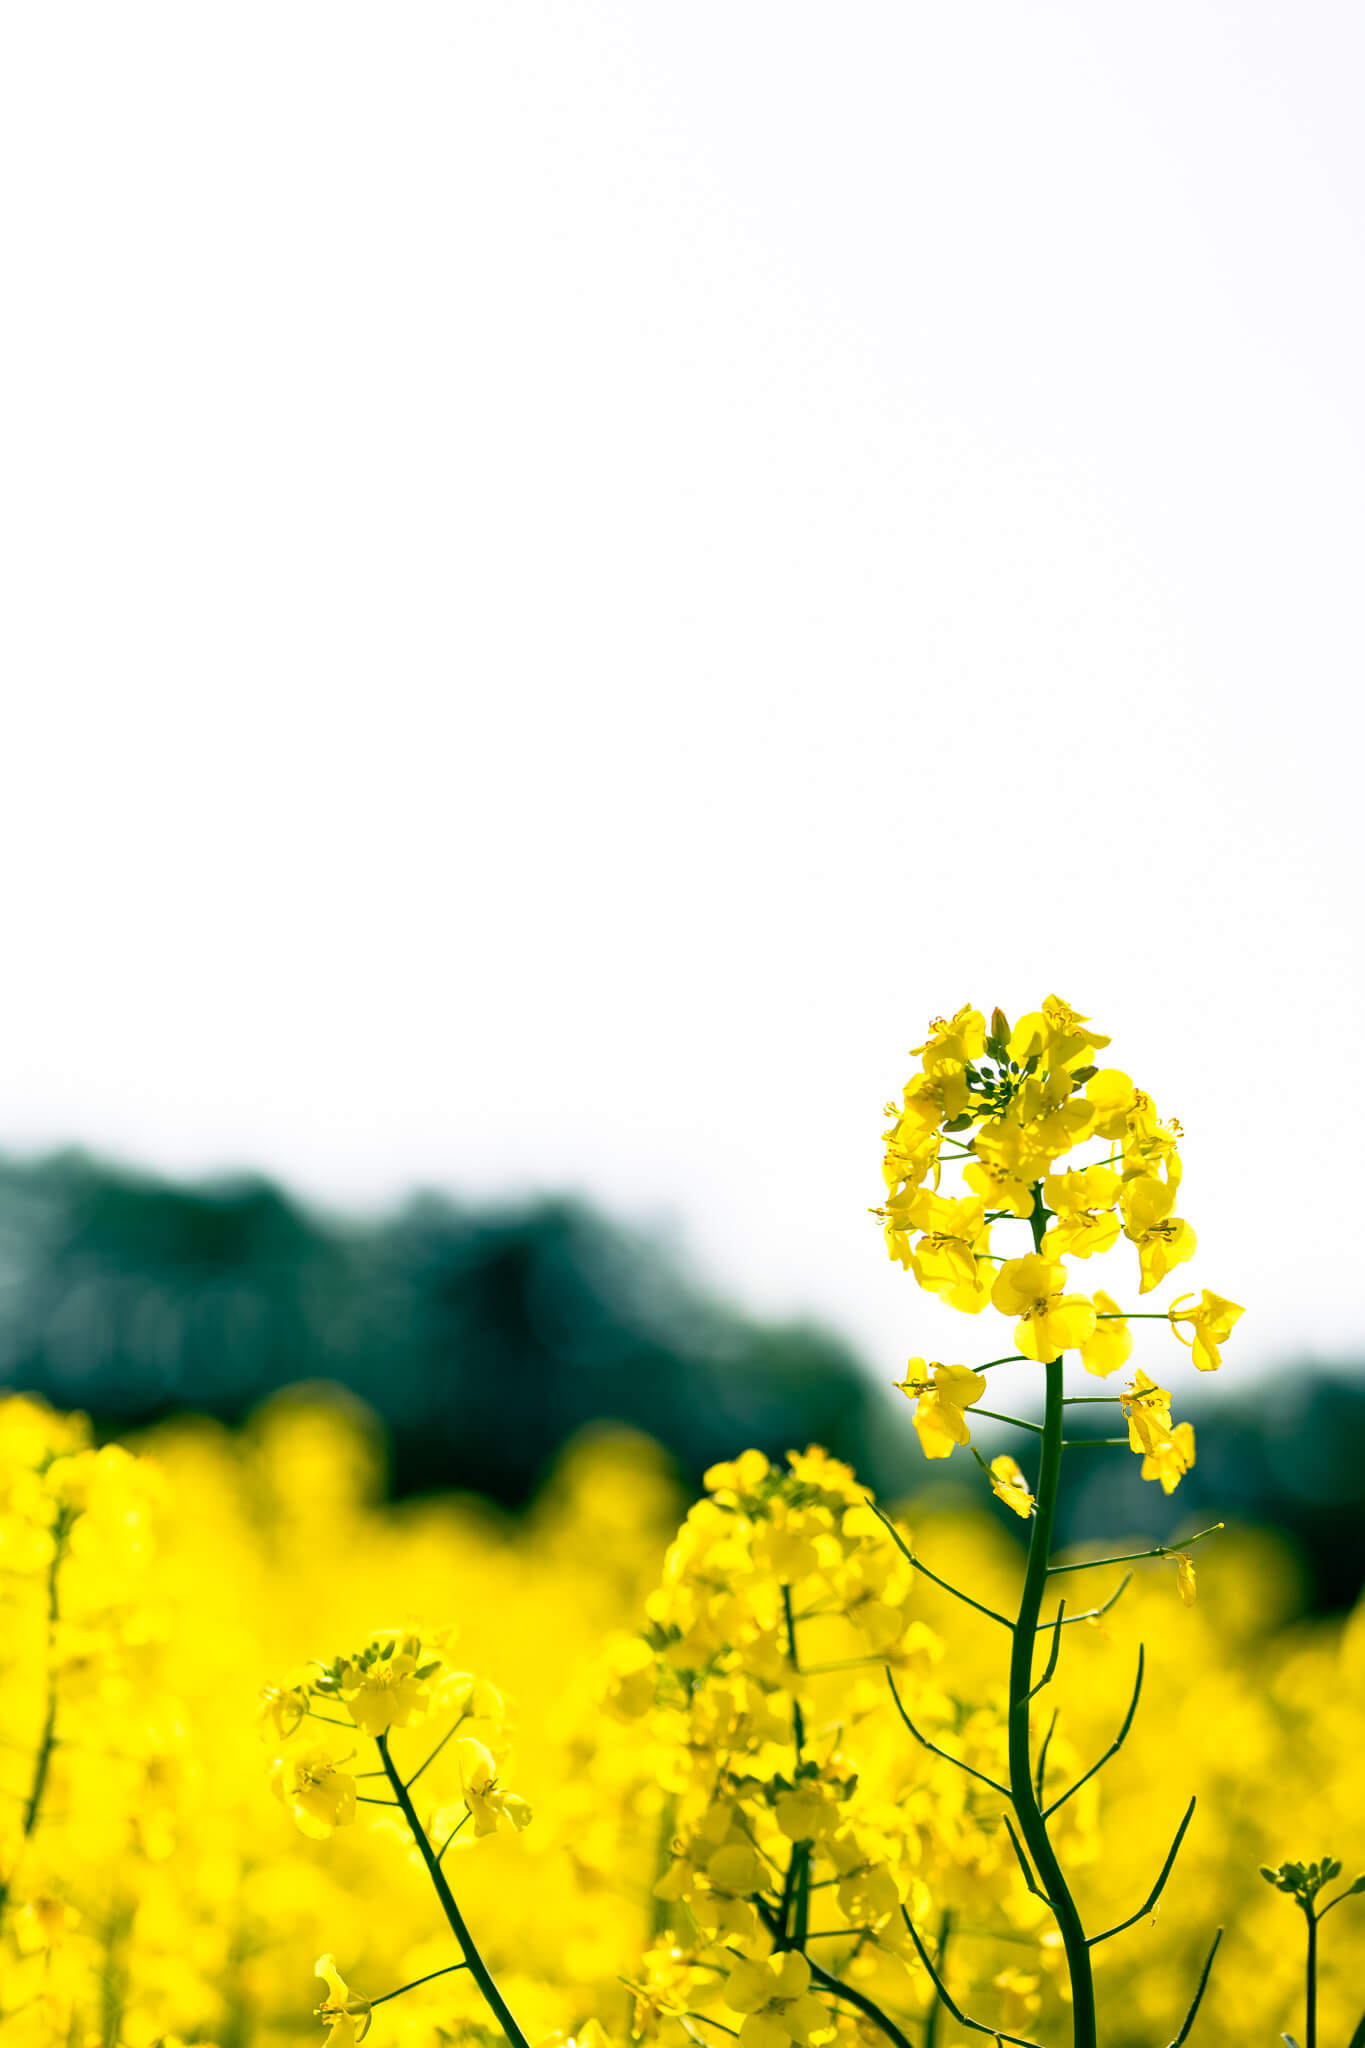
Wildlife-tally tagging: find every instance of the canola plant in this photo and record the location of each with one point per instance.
(280, 1763)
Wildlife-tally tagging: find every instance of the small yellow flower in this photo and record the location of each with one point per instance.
(320, 1797)
(775, 1997)
(953, 1041)
(1148, 1410)
(1083, 1205)
(1009, 1485)
(343, 2011)
(1112, 1343)
(44, 1923)
(385, 1686)
(1211, 1320)
(1050, 1321)
(940, 1393)
(1112, 1094)
(1184, 1578)
(1162, 1240)
(1057, 1031)
(489, 1804)
(1171, 1458)
(281, 1709)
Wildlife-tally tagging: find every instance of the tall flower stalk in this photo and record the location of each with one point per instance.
(399, 1679)
(1005, 1106)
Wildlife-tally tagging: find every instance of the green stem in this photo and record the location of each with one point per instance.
(945, 1928)
(478, 1968)
(798, 1725)
(1017, 1420)
(47, 1741)
(1026, 1802)
(1310, 2021)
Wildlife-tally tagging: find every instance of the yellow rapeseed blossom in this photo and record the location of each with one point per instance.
(1009, 1485)
(940, 1394)
(1050, 1320)
(775, 1997)
(319, 1794)
(345, 2014)
(1210, 1320)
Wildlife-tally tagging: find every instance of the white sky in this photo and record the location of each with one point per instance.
(576, 572)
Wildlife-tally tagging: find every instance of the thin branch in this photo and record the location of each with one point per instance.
(859, 1998)
(1056, 1627)
(1115, 1746)
(977, 2026)
(933, 1747)
(451, 1836)
(1179, 2041)
(1042, 1758)
(1157, 1888)
(1131, 1556)
(1035, 1428)
(1091, 1443)
(363, 1799)
(945, 1928)
(384, 1997)
(437, 1751)
(1092, 1613)
(909, 1555)
(1029, 1879)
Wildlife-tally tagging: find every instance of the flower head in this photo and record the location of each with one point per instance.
(1162, 1240)
(775, 1997)
(1147, 1408)
(1171, 1458)
(1211, 1321)
(343, 2011)
(1050, 1321)
(1111, 1345)
(940, 1393)
(492, 1807)
(319, 1795)
(385, 1685)
(1009, 1485)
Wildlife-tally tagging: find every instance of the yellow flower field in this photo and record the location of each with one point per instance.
(276, 1757)
(164, 1894)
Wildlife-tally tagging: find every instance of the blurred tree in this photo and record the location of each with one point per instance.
(486, 1337)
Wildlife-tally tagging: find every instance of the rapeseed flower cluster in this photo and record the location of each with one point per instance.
(1008, 1108)
(1014, 1109)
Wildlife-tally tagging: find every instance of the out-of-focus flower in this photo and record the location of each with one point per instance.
(343, 2011)
(316, 1791)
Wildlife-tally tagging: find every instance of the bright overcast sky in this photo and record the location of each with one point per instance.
(576, 572)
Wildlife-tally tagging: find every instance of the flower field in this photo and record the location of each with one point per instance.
(164, 1894)
(280, 1762)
